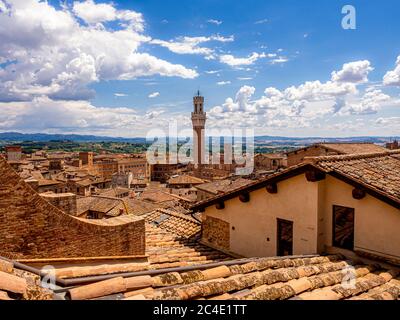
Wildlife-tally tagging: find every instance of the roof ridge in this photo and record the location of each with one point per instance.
(353, 156)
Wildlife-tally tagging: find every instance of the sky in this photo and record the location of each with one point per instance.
(126, 68)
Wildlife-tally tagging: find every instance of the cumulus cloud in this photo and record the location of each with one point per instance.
(305, 105)
(392, 78)
(370, 103)
(355, 72)
(81, 117)
(234, 62)
(154, 94)
(48, 51)
(190, 45)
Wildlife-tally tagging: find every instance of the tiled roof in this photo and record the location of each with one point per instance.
(16, 284)
(140, 207)
(47, 182)
(185, 179)
(175, 222)
(350, 148)
(114, 192)
(168, 250)
(164, 249)
(109, 206)
(223, 185)
(380, 171)
(299, 278)
(157, 196)
(345, 147)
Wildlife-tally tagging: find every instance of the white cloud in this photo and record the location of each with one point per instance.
(355, 72)
(50, 52)
(262, 21)
(214, 21)
(190, 45)
(234, 62)
(120, 94)
(370, 103)
(244, 78)
(279, 60)
(392, 78)
(222, 83)
(212, 71)
(93, 13)
(82, 117)
(154, 94)
(302, 106)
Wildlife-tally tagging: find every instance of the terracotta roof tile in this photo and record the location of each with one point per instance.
(319, 277)
(380, 171)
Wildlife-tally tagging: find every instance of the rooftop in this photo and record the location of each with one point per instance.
(346, 147)
(377, 173)
(272, 278)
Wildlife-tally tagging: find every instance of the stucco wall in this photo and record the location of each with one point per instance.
(377, 224)
(256, 220)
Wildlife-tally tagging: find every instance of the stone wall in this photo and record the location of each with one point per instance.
(31, 227)
(215, 232)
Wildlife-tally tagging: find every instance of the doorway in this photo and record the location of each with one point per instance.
(343, 227)
(284, 237)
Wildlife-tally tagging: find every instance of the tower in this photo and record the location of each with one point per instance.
(198, 121)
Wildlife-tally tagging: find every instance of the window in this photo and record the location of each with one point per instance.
(343, 227)
(284, 237)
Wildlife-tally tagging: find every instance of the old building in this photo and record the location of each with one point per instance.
(86, 158)
(332, 203)
(137, 166)
(13, 153)
(394, 145)
(122, 179)
(324, 149)
(269, 161)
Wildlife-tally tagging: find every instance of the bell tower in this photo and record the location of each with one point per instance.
(198, 121)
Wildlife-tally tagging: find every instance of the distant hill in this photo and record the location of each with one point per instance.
(45, 137)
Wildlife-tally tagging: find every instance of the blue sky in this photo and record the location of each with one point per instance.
(84, 75)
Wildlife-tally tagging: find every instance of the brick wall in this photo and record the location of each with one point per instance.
(297, 157)
(215, 232)
(64, 201)
(31, 227)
